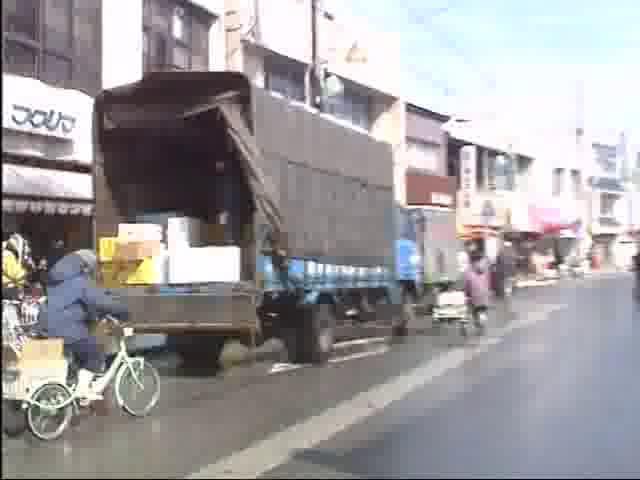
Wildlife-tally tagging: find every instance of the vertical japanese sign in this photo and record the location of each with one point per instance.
(468, 166)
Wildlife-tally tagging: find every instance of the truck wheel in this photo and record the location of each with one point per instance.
(401, 323)
(197, 351)
(314, 337)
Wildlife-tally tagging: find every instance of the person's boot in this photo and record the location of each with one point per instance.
(101, 407)
(84, 392)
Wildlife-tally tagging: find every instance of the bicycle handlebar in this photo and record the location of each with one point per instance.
(112, 319)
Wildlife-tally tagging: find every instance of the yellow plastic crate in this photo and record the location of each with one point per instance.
(107, 248)
(115, 274)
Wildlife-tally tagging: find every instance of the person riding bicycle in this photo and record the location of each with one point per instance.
(73, 301)
(477, 285)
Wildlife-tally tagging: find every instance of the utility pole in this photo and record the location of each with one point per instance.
(315, 83)
(582, 203)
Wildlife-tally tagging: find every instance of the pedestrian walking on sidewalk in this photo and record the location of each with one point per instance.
(636, 273)
(477, 287)
(505, 271)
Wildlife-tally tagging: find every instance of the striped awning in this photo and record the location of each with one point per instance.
(46, 191)
(475, 232)
(46, 207)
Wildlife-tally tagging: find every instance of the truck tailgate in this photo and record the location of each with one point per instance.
(223, 308)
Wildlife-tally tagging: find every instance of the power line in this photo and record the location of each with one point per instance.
(426, 20)
(423, 19)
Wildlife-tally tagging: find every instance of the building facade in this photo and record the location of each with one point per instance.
(430, 195)
(495, 177)
(51, 71)
(611, 199)
(57, 55)
(160, 35)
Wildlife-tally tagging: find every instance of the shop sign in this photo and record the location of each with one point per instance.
(31, 106)
(427, 189)
(468, 164)
(485, 209)
(41, 120)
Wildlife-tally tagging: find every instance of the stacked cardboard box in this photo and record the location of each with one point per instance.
(39, 361)
(136, 256)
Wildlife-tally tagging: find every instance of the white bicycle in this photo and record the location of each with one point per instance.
(53, 404)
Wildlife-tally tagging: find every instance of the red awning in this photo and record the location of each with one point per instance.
(550, 220)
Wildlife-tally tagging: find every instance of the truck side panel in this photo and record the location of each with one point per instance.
(334, 183)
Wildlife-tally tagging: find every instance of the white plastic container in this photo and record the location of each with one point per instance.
(204, 264)
(140, 232)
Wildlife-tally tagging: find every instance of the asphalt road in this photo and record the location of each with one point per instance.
(558, 399)
(549, 392)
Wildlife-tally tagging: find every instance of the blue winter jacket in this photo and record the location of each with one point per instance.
(73, 300)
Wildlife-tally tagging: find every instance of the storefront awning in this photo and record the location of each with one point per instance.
(550, 220)
(44, 191)
(474, 232)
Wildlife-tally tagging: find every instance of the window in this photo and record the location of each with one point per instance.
(56, 41)
(558, 179)
(606, 157)
(285, 77)
(504, 173)
(175, 36)
(423, 155)
(576, 182)
(351, 106)
(607, 204)
(21, 18)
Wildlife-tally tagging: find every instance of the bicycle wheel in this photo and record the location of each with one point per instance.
(140, 383)
(39, 416)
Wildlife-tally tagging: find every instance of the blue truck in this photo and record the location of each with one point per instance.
(309, 203)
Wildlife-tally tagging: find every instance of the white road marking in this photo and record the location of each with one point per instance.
(353, 356)
(278, 448)
(285, 367)
(360, 341)
(289, 367)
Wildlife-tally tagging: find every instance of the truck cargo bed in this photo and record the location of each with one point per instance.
(221, 308)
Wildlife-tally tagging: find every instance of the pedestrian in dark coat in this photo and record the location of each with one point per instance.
(505, 268)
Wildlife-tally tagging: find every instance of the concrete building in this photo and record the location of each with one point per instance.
(608, 198)
(495, 178)
(430, 195)
(160, 35)
(271, 41)
(562, 189)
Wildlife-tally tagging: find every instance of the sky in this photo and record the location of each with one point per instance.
(522, 62)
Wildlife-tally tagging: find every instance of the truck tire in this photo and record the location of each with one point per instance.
(311, 341)
(197, 351)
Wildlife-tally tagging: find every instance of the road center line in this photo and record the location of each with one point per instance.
(278, 448)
